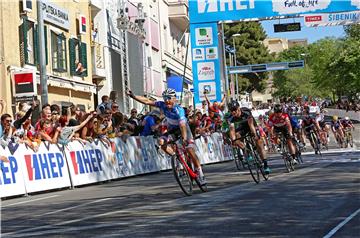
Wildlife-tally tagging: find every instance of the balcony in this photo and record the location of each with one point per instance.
(98, 61)
(179, 13)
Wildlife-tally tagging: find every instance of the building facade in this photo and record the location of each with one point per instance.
(67, 50)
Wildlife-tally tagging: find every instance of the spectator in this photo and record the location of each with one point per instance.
(103, 105)
(45, 115)
(47, 132)
(114, 107)
(150, 123)
(68, 132)
(88, 131)
(6, 129)
(118, 119)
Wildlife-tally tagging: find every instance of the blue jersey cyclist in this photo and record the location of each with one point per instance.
(177, 122)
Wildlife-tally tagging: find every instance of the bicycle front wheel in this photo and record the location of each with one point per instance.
(260, 166)
(182, 175)
(253, 168)
(287, 162)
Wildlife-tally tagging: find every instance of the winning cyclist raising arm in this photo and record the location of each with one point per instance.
(176, 120)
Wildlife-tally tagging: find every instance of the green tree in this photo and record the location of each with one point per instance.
(249, 50)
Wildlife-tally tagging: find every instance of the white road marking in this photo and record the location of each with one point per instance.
(28, 201)
(69, 208)
(333, 231)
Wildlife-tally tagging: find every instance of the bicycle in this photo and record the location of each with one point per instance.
(252, 159)
(239, 158)
(314, 141)
(288, 160)
(298, 150)
(183, 168)
(348, 138)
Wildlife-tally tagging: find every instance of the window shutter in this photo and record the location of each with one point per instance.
(72, 56)
(36, 45)
(23, 47)
(83, 59)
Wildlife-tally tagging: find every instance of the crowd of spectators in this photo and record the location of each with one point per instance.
(63, 124)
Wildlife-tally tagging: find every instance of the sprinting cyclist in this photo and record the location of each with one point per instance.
(337, 128)
(176, 121)
(347, 123)
(309, 123)
(280, 123)
(242, 123)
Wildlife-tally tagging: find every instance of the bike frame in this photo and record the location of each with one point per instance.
(181, 152)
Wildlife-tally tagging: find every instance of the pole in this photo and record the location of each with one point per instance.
(236, 76)
(224, 59)
(42, 63)
(183, 77)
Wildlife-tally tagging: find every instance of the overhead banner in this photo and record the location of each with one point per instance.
(332, 19)
(205, 62)
(201, 11)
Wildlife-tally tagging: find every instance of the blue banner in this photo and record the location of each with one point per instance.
(201, 11)
(205, 62)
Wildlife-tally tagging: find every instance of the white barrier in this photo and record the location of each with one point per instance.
(80, 163)
(11, 176)
(342, 113)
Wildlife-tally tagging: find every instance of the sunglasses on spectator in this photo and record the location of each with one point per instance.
(134, 112)
(9, 121)
(115, 106)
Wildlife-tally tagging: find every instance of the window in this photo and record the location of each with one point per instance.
(58, 52)
(78, 57)
(29, 43)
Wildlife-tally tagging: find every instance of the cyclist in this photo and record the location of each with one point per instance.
(320, 118)
(308, 124)
(176, 122)
(347, 123)
(337, 128)
(279, 122)
(242, 123)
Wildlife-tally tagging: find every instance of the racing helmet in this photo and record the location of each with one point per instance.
(347, 119)
(278, 108)
(169, 93)
(335, 118)
(233, 105)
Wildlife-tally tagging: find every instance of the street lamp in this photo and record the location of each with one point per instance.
(236, 76)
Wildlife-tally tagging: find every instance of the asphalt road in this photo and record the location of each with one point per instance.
(320, 198)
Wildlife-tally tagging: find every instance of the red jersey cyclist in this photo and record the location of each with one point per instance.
(279, 122)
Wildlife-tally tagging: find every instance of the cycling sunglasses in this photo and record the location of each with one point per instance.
(167, 98)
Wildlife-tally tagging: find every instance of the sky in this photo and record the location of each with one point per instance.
(311, 33)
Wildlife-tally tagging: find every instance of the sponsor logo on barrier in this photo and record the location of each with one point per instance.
(86, 161)
(44, 166)
(8, 171)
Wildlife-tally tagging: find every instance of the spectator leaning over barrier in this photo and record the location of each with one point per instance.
(68, 132)
(23, 119)
(88, 131)
(45, 114)
(103, 105)
(6, 132)
(151, 123)
(47, 132)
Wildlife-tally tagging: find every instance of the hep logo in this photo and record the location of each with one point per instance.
(44, 166)
(86, 161)
(8, 171)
